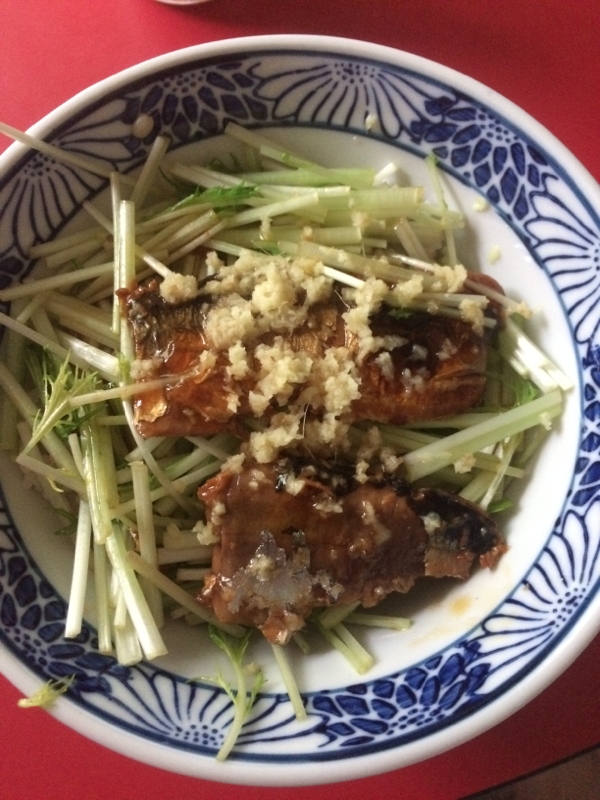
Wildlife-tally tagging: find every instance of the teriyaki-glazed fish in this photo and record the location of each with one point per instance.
(406, 368)
(297, 535)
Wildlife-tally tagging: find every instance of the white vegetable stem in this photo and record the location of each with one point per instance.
(343, 641)
(55, 281)
(146, 535)
(137, 606)
(150, 170)
(529, 361)
(62, 156)
(80, 570)
(290, 684)
(127, 643)
(447, 450)
(101, 594)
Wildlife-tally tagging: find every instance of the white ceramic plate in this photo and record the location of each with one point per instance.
(476, 651)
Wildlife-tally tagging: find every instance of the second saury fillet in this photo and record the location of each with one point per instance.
(297, 535)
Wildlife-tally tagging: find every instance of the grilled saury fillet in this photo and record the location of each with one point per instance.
(432, 366)
(296, 535)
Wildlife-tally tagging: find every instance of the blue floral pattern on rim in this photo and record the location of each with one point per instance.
(535, 197)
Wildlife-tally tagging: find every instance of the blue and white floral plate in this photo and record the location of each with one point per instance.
(476, 651)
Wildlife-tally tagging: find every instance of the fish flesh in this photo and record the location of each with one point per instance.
(298, 534)
(430, 366)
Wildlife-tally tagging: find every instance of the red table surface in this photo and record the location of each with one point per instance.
(541, 54)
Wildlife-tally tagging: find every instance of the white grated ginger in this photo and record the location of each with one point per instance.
(472, 312)
(465, 463)
(268, 297)
(448, 279)
(176, 288)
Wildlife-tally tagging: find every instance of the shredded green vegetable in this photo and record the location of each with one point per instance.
(218, 197)
(131, 502)
(57, 389)
(241, 695)
(47, 694)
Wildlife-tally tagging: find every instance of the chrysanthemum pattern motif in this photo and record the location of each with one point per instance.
(561, 232)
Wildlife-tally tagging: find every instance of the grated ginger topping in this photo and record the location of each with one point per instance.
(177, 288)
(266, 298)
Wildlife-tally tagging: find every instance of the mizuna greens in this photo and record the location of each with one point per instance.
(68, 379)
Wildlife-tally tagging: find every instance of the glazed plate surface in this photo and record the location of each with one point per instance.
(477, 651)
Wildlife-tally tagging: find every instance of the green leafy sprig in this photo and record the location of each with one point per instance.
(241, 695)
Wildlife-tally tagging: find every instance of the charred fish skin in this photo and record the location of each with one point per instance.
(459, 533)
(438, 371)
(298, 536)
(153, 320)
(434, 368)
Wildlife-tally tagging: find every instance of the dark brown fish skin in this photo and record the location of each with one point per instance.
(334, 540)
(446, 386)
(437, 372)
(173, 334)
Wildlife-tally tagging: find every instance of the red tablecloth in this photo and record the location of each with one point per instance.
(543, 55)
